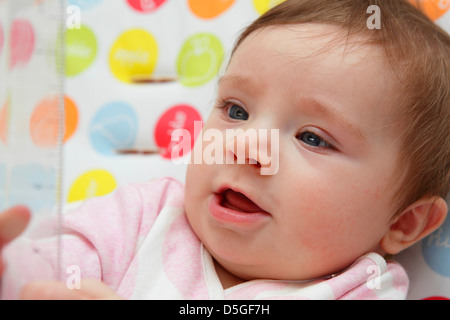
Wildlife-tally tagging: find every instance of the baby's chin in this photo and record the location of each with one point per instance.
(242, 273)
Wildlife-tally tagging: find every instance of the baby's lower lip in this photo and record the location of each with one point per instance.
(229, 215)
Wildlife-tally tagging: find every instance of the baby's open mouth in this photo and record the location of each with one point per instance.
(234, 209)
(238, 201)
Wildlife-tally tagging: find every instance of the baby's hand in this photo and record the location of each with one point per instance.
(52, 290)
(12, 222)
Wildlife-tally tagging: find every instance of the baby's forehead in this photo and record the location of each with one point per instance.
(353, 70)
(312, 42)
(314, 46)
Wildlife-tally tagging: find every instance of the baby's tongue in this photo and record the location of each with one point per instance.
(238, 201)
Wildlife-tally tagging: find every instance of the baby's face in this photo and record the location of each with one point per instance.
(330, 199)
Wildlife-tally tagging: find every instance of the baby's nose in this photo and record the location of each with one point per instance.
(249, 147)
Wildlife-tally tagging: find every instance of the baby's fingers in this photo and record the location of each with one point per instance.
(97, 290)
(13, 222)
(51, 290)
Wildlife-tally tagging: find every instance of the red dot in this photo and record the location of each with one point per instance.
(178, 117)
(436, 298)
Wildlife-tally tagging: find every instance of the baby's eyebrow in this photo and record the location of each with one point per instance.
(311, 105)
(241, 81)
(236, 78)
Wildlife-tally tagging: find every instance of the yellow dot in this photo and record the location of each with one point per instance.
(92, 184)
(134, 54)
(265, 5)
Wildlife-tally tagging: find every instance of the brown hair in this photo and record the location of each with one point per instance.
(419, 53)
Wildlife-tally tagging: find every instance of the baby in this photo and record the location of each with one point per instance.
(362, 119)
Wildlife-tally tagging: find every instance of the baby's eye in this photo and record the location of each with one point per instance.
(313, 140)
(238, 113)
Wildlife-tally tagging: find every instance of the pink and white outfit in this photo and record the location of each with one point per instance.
(139, 242)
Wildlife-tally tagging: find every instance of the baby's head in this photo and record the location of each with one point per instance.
(362, 120)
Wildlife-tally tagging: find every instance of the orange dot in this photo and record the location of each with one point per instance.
(209, 9)
(4, 122)
(434, 9)
(44, 125)
(71, 114)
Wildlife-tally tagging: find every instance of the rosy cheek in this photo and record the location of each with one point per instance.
(326, 214)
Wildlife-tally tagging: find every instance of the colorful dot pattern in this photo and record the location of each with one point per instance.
(135, 71)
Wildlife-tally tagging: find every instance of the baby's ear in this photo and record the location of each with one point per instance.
(413, 224)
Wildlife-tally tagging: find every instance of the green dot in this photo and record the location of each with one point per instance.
(81, 50)
(199, 59)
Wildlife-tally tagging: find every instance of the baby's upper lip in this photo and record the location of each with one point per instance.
(248, 194)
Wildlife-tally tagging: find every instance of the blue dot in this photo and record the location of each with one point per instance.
(436, 249)
(33, 185)
(114, 127)
(85, 4)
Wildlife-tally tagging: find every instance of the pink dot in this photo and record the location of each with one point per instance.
(146, 5)
(2, 39)
(22, 42)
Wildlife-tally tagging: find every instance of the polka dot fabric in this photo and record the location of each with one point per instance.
(135, 70)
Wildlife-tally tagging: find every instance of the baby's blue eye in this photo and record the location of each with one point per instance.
(313, 140)
(238, 113)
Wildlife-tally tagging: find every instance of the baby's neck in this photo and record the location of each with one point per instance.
(226, 278)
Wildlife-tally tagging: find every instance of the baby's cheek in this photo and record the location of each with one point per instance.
(327, 219)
